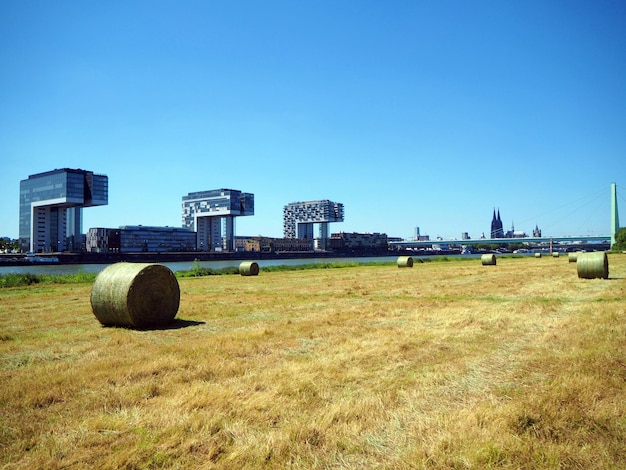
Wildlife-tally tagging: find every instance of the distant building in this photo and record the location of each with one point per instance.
(279, 245)
(516, 234)
(418, 237)
(211, 214)
(496, 226)
(537, 232)
(359, 242)
(140, 239)
(51, 208)
(103, 240)
(299, 219)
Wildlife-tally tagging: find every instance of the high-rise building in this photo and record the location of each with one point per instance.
(211, 214)
(299, 219)
(51, 208)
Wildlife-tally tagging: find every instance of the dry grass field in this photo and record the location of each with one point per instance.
(443, 365)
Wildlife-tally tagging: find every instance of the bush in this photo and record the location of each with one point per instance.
(17, 280)
(80, 277)
(620, 240)
(197, 271)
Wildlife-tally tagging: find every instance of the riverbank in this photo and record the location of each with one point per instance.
(172, 257)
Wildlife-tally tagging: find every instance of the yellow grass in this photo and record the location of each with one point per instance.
(445, 365)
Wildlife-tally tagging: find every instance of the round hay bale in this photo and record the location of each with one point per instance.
(537, 255)
(249, 268)
(555, 254)
(593, 265)
(572, 257)
(405, 261)
(137, 295)
(488, 259)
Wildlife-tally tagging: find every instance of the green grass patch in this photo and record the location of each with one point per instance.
(27, 279)
(197, 270)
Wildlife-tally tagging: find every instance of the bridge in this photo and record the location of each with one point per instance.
(610, 239)
(502, 241)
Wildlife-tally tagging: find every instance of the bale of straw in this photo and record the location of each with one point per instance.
(405, 261)
(537, 255)
(488, 259)
(136, 295)
(249, 268)
(555, 254)
(572, 257)
(593, 265)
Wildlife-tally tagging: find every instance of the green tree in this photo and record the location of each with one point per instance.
(8, 244)
(620, 240)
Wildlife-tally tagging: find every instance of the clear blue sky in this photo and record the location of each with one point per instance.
(410, 113)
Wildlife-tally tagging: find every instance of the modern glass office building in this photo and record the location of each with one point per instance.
(51, 206)
(140, 239)
(211, 214)
(299, 219)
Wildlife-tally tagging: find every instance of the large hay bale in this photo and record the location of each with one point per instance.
(593, 265)
(572, 257)
(249, 268)
(137, 295)
(488, 259)
(556, 254)
(537, 255)
(405, 261)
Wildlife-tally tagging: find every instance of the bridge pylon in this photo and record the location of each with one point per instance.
(614, 214)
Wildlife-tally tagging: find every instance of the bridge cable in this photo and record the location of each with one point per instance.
(574, 207)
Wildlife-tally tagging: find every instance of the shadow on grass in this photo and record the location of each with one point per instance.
(175, 324)
(179, 323)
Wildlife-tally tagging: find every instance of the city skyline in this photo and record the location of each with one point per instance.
(209, 213)
(415, 114)
(250, 211)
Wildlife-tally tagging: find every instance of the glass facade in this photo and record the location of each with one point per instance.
(211, 214)
(139, 238)
(51, 208)
(156, 239)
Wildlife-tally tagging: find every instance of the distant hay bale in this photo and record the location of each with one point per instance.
(249, 268)
(137, 295)
(488, 259)
(405, 261)
(593, 265)
(555, 254)
(537, 255)
(572, 257)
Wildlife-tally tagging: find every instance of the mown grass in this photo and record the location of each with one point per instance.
(445, 365)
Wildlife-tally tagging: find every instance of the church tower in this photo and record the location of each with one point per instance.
(496, 225)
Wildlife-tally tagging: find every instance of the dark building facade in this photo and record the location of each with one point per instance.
(359, 242)
(496, 226)
(140, 239)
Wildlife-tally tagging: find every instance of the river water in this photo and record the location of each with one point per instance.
(56, 269)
